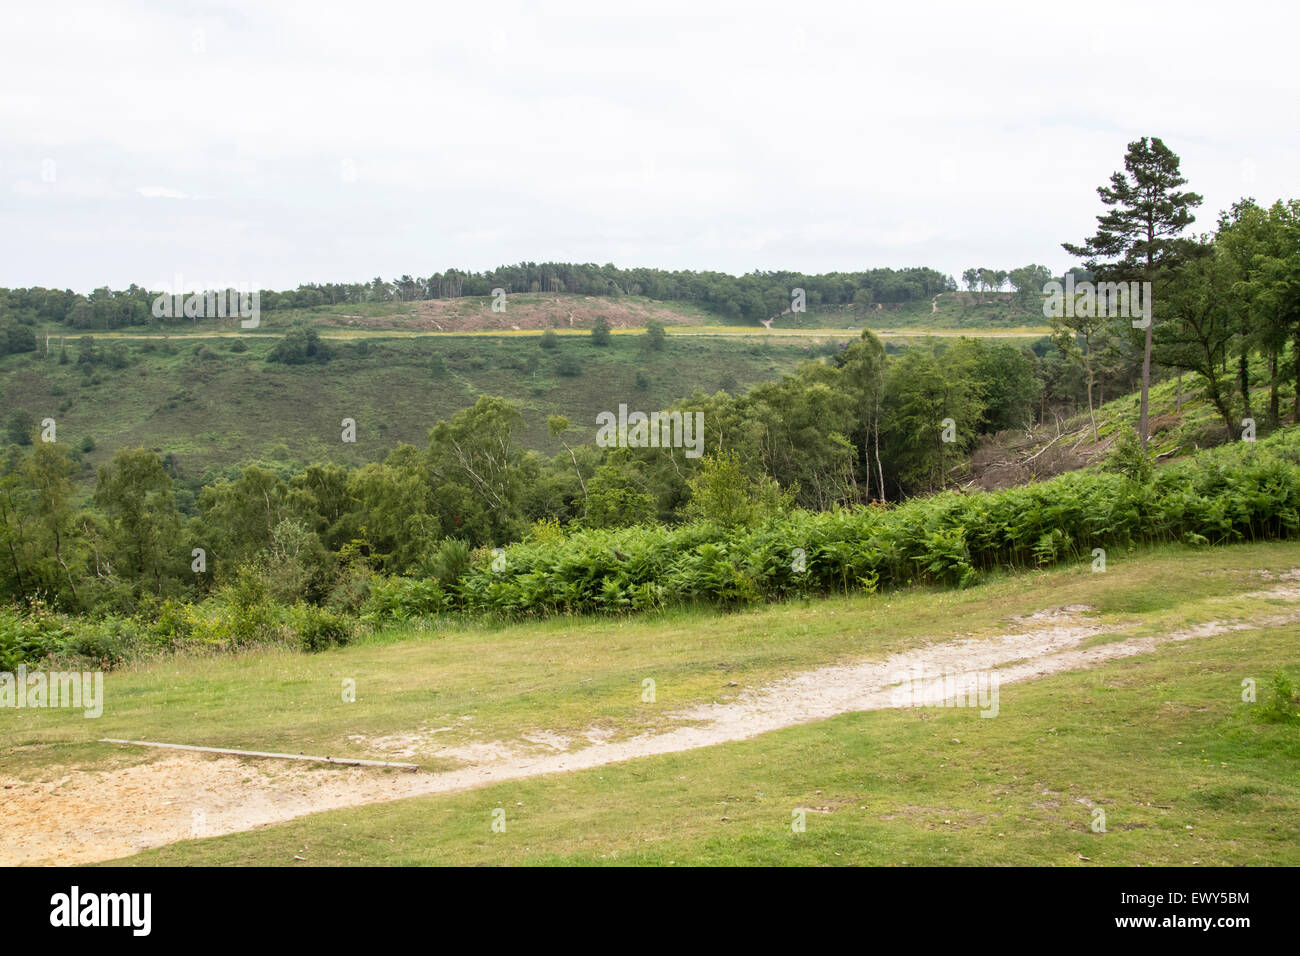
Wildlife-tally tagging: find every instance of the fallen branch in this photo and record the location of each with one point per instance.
(342, 761)
(1043, 449)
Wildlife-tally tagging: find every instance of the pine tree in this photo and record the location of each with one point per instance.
(1140, 234)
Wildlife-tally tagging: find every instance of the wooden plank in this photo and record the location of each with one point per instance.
(342, 761)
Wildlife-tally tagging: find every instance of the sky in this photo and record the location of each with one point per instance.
(267, 144)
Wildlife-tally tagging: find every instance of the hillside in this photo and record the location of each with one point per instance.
(1182, 421)
(534, 311)
(214, 408)
(205, 393)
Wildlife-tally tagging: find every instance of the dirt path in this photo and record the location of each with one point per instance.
(84, 816)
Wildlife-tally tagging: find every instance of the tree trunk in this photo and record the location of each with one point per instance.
(1243, 381)
(1146, 385)
(880, 472)
(1092, 417)
(1274, 411)
(1295, 347)
(866, 462)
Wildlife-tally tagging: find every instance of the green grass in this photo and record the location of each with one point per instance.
(1107, 736)
(956, 311)
(1161, 743)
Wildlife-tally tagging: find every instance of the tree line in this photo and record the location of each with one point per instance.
(754, 296)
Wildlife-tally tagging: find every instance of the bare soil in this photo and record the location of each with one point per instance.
(558, 312)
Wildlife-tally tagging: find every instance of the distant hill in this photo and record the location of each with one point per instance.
(216, 402)
(535, 311)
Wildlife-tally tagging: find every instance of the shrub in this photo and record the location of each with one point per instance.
(318, 629)
(1283, 706)
(449, 562)
(1129, 459)
(29, 635)
(301, 345)
(107, 642)
(724, 491)
(400, 599)
(19, 427)
(655, 335)
(545, 529)
(36, 635)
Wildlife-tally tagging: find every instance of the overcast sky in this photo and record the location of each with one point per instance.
(277, 143)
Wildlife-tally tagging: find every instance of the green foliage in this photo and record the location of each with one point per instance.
(16, 338)
(451, 560)
(20, 426)
(1130, 459)
(31, 635)
(135, 493)
(549, 339)
(924, 399)
(402, 599)
(1228, 494)
(655, 335)
(615, 498)
(600, 331)
(37, 636)
(725, 493)
(1234, 493)
(318, 629)
(301, 345)
(291, 563)
(1283, 704)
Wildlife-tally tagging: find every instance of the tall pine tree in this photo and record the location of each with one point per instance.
(1140, 234)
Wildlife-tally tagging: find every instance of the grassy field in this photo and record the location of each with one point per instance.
(1161, 742)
